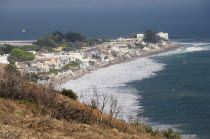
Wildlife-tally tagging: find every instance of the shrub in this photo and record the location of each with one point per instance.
(69, 93)
(16, 87)
(26, 102)
(170, 134)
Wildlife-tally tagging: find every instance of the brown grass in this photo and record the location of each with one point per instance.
(20, 121)
(46, 113)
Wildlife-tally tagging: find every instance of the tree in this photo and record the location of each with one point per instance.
(7, 48)
(105, 40)
(93, 41)
(67, 44)
(31, 48)
(74, 37)
(20, 55)
(79, 45)
(45, 42)
(1, 52)
(68, 49)
(69, 93)
(150, 36)
(132, 35)
(57, 36)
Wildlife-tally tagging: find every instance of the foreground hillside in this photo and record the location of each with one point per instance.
(29, 110)
(18, 120)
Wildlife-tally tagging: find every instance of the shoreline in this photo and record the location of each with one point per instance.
(58, 82)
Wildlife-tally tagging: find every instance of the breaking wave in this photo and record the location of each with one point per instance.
(187, 48)
(112, 80)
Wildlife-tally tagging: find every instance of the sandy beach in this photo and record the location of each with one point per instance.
(16, 43)
(77, 74)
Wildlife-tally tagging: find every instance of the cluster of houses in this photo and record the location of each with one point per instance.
(85, 58)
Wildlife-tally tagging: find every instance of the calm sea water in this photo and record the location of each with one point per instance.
(179, 95)
(182, 24)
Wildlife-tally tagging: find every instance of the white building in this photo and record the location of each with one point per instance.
(160, 34)
(119, 46)
(163, 35)
(4, 59)
(140, 36)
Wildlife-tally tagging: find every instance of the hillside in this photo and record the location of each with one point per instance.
(19, 120)
(29, 110)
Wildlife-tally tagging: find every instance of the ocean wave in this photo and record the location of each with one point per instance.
(187, 48)
(193, 49)
(112, 81)
(194, 44)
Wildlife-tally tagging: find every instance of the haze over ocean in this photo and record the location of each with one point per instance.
(181, 19)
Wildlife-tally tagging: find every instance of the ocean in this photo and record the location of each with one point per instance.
(172, 89)
(184, 24)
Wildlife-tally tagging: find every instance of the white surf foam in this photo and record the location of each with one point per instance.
(187, 48)
(194, 49)
(113, 79)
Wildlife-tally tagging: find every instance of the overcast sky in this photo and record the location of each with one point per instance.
(95, 3)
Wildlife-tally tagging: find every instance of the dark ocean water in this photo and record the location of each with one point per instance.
(179, 95)
(184, 24)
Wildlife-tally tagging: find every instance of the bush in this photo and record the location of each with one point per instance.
(54, 71)
(16, 87)
(170, 134)
(26, 102)
(20, 55)
(150, 36)
(69, 93)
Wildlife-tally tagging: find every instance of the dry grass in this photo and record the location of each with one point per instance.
(20, 121)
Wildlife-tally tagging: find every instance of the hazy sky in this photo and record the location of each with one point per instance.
(95, 3)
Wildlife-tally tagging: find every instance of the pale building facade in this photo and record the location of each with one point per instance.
(160, 34)
(163, 35)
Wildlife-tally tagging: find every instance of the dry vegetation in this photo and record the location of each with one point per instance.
(32, 111)
(19, 120)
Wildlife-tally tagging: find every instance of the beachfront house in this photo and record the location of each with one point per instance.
(140, 37)
(119, 46)
(26, 67)
(45, 64)
(163, 35)
(128, 40)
